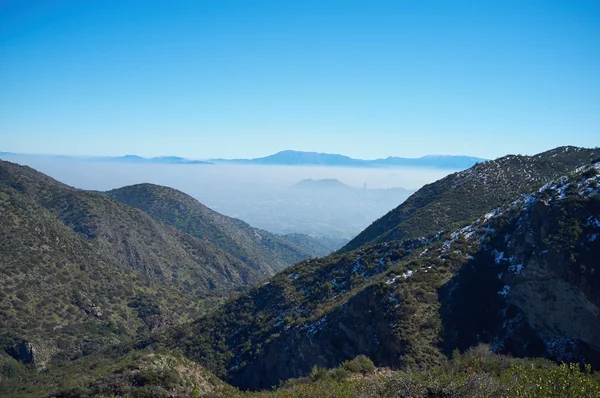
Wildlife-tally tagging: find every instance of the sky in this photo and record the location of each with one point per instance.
(368, 79)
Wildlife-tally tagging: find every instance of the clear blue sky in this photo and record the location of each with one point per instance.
(367, 79)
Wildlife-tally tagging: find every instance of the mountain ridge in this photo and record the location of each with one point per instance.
(130, 159)
(438, 205)
(142, 160)
(260, 249)
(295, 158)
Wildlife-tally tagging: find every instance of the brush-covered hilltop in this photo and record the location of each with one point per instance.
(80, 271)
(260, 250)
(463, 196)
(501, 259)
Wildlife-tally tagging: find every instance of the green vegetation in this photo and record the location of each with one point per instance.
(96, 289)
(478, 372)
(131, 374)
(263, 253)
(79, 271)
(462, 197)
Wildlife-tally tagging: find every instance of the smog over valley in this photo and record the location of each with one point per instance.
(299, 199)
(278, 198)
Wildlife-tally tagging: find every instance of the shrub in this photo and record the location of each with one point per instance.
(360, 364)
(318, 373)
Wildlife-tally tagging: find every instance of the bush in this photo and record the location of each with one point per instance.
(318, 373)
(339, 374)
(360, 364)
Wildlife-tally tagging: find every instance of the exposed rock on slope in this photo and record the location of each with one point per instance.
(463, 196)
(546, 267)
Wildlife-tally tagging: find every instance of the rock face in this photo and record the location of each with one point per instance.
(542, 284)
(83, 302)
(22, 352)
(344, 333)
(557, 288)
(38, 353)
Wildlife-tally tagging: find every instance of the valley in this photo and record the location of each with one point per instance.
(261, 195)
(500, 258)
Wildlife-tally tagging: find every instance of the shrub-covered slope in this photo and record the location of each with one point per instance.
(463, 196)
(521, 277)
(320, 246)
(476, 373)
(132, 374)
(262, 251)
(79, 270)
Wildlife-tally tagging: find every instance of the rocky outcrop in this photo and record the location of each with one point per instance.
(357, 327)
(84, 303)
(536, 281)
(35, 353)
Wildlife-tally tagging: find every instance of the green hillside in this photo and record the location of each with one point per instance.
(80, 271)
(262, 251)
(463, 196)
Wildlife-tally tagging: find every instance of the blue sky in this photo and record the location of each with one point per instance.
(367, 79)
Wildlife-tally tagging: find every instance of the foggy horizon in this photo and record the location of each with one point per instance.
(261, 195)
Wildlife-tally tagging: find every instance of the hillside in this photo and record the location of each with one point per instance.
(321, 246)
(261, 251)
(79, 271)
(521, 277)
(115, 374)
(462, 196)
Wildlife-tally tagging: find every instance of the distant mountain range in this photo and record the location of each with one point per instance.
(120, 159)
(295, 158)
(299, 158)
(156, 160)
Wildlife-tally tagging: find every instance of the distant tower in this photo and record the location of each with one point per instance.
(365, 186)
